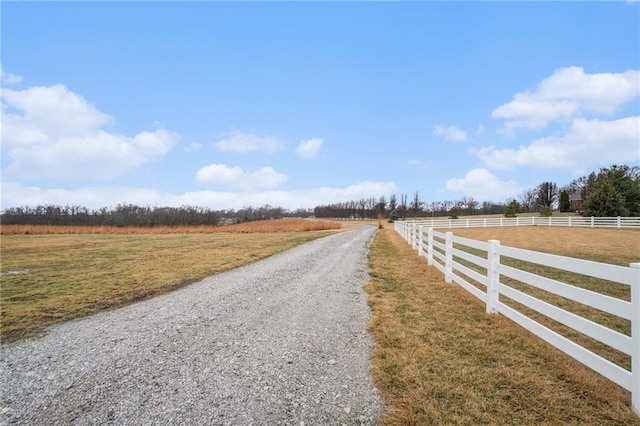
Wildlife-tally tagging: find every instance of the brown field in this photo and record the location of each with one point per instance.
(615, 246)
(440, 360)
(50, 278)
(277, 225)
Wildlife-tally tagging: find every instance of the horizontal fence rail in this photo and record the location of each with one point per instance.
(493, 222)
(487, 271)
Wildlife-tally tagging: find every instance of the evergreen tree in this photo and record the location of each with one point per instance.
(565, 204)
(512, 209)
(614, 192)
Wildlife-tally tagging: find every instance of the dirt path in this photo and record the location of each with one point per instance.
(282, 341)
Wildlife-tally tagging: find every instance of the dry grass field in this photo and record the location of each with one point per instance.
(278, 225)
(50, 277)
(615, 246)
(440, 360)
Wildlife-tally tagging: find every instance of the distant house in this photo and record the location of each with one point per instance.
(576, 202)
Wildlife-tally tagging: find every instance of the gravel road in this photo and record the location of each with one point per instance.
(281, 341)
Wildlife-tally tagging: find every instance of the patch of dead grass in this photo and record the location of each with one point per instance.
(440, 360)
(52, 278)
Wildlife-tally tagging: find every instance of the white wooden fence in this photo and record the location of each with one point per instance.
(438, 248)
(492, 222)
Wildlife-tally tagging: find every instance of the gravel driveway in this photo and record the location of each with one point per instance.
(281, 341)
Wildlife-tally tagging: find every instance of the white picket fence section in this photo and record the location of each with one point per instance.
(492, 222)
(438, 248)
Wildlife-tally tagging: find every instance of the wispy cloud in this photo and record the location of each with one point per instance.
(309, 148)
(245, 142)
(419, 163)
(451, 133)
(8, 78)
(193, 146)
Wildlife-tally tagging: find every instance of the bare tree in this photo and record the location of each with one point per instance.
(434, 206)
(362, 207)
(468, 204)
(416, 204)
(527, 200)
(393, 202)
(381, 206)
(445, 205)
(403, 207)
(547, 194)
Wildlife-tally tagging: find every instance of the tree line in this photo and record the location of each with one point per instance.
(133, 215)
(613, 191)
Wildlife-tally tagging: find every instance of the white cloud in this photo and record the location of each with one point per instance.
(309, 148)
(451, 133)
(569, 93)
(483, 185)
(9, 79)
(15, 194)
(53, 132)
(480, 130)
(219, 174)
(587, 143)
(265, 177)
(223, 175)
(244, 142)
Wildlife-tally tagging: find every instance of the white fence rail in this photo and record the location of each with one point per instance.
(446, 252)
(492, 222)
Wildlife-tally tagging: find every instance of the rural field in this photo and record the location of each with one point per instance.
(53, 274)
(439, 359)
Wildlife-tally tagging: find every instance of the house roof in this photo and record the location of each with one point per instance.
(575, 196)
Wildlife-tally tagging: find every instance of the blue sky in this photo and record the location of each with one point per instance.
(295, 104)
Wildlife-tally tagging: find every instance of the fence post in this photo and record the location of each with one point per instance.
(618, 222)
(430, 246)
(410, 233)
(592, 221)
(569, 221)
(635, 337)
(413, 235)
(500, 222)
(493, 276)
(448, 257)
(420, 241)
(484, 222)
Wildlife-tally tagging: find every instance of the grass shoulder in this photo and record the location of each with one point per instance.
(439, 359)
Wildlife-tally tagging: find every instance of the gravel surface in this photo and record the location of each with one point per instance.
(281, 341)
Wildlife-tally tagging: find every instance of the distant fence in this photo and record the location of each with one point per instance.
(476, 266)
(492, 222)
